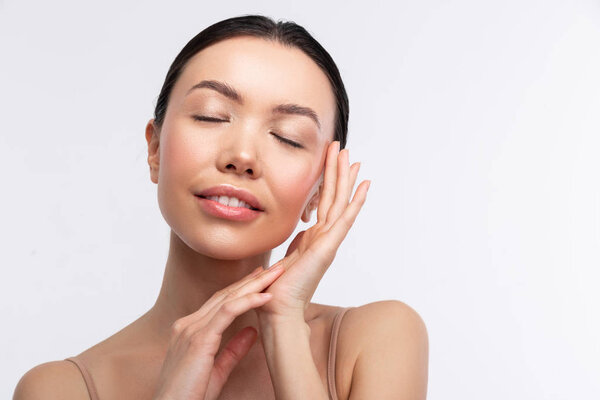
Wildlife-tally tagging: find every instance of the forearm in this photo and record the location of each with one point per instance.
(289, 358)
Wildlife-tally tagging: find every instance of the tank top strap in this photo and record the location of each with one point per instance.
(332, 352)
(87, 377)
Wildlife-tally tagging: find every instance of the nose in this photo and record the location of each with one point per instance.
(240, 158)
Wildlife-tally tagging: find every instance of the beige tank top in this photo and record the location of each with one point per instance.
(91, 387)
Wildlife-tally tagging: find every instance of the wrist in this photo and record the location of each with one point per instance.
(278, 323)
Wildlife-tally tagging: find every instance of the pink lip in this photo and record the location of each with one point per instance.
(222, 211)
(232, 191)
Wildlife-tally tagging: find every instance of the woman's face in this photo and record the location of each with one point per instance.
(247, 144)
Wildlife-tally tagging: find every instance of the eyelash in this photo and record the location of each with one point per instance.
(281, 139)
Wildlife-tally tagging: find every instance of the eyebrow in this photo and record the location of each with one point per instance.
(231, 93)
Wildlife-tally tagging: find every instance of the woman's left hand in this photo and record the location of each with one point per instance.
(312, 251)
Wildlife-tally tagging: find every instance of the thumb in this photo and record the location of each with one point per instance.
(237, 347)
(294, 243)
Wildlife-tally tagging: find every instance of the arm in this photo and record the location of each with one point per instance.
(393, 358)
(289, 358)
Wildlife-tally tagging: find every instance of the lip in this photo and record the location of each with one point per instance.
(219, 210)
(232, 191)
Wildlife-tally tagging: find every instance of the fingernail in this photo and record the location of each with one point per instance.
(368, 185)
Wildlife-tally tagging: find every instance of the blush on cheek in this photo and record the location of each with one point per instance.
(294, 188)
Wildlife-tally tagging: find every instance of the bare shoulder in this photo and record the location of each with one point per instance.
(51, 380)
(372, 317)
(391, 343)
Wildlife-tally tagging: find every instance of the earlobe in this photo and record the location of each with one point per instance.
(152, 138)
(306, 214)
(312, 205)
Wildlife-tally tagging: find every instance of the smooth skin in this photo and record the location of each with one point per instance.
(199, 340)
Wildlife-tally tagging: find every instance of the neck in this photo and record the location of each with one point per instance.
(191, 278)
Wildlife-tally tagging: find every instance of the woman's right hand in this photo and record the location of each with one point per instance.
(190, 370)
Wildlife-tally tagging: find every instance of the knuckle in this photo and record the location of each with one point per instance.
(228, 308)
(348, 220)
(187, 333)
(177, 327)
(233, 354)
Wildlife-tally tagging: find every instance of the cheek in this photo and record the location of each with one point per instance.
(180, 159)
(182, 154)
(293, 183)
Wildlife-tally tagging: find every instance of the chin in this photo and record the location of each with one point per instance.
(230, 242)
(225, 245)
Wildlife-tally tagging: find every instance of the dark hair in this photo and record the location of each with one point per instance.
(286, 33)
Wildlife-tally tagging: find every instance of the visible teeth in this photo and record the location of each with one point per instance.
(229, 201)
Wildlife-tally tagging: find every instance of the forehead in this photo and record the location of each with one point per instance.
(266, 73)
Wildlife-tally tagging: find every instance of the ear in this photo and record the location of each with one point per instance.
(312, 204)
(152, 138)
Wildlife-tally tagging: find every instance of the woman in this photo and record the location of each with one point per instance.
(246, 141)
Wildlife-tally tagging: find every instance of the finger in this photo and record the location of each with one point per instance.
(325, 248)
(252, 275)
(213, 300)
(329, 179)
(354, 168)
(236, 349)
(341, 227)
(231, 309)
(341, 192)
(213, 325)
(254, 285)
(294, 244)
(262, 280)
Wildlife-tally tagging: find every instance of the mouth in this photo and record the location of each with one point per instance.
(224, 207)
(230, 201)
(231, 196)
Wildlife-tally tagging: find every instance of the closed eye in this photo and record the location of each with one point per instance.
(284, 140)
(281, 139)
(208, 119)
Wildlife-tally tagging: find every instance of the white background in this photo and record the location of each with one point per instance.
(477, 121)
